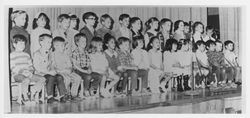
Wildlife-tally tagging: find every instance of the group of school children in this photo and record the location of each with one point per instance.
(106, 59)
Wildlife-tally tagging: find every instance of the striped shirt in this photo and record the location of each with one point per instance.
(19, 62)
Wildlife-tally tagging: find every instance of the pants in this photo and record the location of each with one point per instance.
(154, 80)
(144, 76)
(86, 78)
(97, 79)
(55, 80)
(73, 78)
(39, 82)
(133, 75)
(220, 73)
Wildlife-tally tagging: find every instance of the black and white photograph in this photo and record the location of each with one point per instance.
(124, 59)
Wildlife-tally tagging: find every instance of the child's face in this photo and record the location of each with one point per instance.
(19, 46)
(41, 22)
(125, 46)
(174, 47)
(166, 26)
(211, 47)
(218, 47)
(90, 20)
(154, 25)
(111, 44)
(107, 23)
(201, 47)
(65, 24)
(140, 44)
(209, 32)
(20, 20)
(125, 22)
(230, 46)
(99, 46)
(156, 44)
(199, 28)
(73, 23)
(137, 25)
(186, 29)
(181, 26)
(82, 43)
(59, 46)
(46, 43)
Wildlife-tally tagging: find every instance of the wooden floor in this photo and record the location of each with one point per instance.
(155, 103)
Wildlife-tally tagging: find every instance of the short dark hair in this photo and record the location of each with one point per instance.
(121, 40)
(61, 17)
(106, 39)
(57, 39)
(186, 24)
(123, 16)
(183, 42)
(228, 42)
(135, 41)
(164, 20)
(176, 24)
(87, 15)
(150, 20)
(149, 46)
(133, 20)
(196, 24)
(209, 27)
(169, 44)
(92, 47)
(77, 37)
(104, 17)
(19, 38)
(209, 43)
(42, 37)
(74, 17)
(199, 42)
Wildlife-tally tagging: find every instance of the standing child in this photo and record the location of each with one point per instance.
(19, 20)
(22, 69)
(209, 34)
(155, 73)
(40, 26)
(81, 61)
(42, 63)
(152, 28)
(127, 65)
(187, 31)
(135, 25)
(141, 61)
(90, 19)
(123, 30)
(179, 30)
(73, 29)
(166, 31)
(99, 65)
(107, 25)
(63, 66)
(232, 62)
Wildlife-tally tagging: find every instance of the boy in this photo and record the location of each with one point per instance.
(22, 70)
(202, 60)
(89, 18)
(63, 66)
(107, 23)
(125, 58)
(209, 33)
(187, 30)
(63, 23)
(232, 63)
(19, 19)
(81, 61)
(123, 30)
(42, 63)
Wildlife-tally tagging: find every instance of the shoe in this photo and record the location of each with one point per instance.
(76, 98)
(186, 87)
(179, 84)
(63, 99)
(51, 100)
(233, 85)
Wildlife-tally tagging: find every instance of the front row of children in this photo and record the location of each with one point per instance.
(105, 62)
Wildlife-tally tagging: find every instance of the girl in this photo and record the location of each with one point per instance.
(73, 30)
(141, 61)
(99, 65)
(135, 26)
(198, 29)
(40, 26)
(179, 30)
(166, 31)
(155, 63)
(151, 29)
(114, 68)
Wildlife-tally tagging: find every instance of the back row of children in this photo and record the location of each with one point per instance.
(69, 56)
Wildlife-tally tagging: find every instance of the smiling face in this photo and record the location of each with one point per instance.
(41, 21)
(125, 46)
(111, 44)
(218, 47)
(59, 46)
(46, 43)
(186, 29)
(137, 25)
(156, 44)
(107, 23)
(20, 20)
(125, 22)
(181, 26)
(19, 46)
(82, 43)
(65, 24)
(211, 47)
(199, 28)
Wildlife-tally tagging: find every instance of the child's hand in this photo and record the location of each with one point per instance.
(27, 73)
(120, 68)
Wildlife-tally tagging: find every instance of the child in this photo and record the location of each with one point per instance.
(22, 69)
(63, 23)
(40, 26)
(166, 31)
(19, 20)
(90, 19)
(203, 65)
(198, 29)
(62, 64)
(127, 65)
(140, 57)
(187, 30)
(115, 71)
(151, 29)
(185, 58)
(155, 73)
(42, 63)
(81, 61)
(99, 65)
(209, 33)
(232, 62)
(107, 25)
(135, 25)
(73, 29)
(179, 30)
(123, 30)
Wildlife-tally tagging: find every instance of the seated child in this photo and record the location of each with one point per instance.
(42, 63)
(107, 25)
(141, 61)
(22, 69)
(63, 66)
(126, 60)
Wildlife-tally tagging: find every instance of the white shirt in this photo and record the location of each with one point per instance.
(140, 58)
(230, 58)
(41, 62)
(156, 58)
(202, 57)
(99, 63)
(170, 58)
(185, 59)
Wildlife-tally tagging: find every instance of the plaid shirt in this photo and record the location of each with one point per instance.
(216, 58)
(125, 58)
(82, 58)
